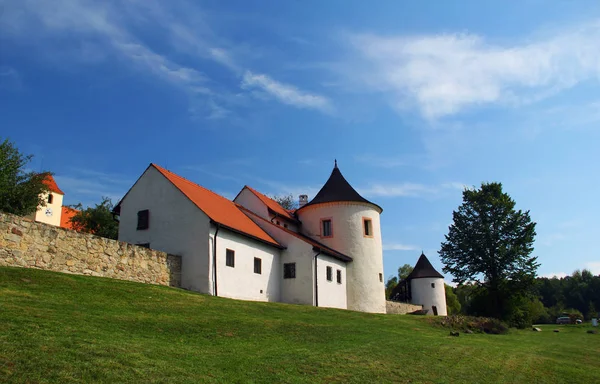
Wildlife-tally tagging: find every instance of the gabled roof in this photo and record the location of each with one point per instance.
(337, 189)
(219, 209)
(273, 206)
(316, 245)
(423, 269)
(51, 184)
(65, 217)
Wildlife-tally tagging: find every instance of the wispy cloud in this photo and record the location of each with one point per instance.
(399, 247)
(408, 189)
(593, 266)
(447, 73)
(88, 186)
(286, 93)
(10, 79)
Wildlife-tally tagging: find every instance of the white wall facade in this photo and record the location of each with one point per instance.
(54, 209)
(176, 226)
(249, 200)
(240, 281)
(365, 286)
(423, 293)
(331, 293)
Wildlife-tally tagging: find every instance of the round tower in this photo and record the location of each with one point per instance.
(427, 287)
(341, 219)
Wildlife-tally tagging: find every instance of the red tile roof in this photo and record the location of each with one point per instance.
(51, 184)
(217, 208)
(274, 206)
(65, 217)
(316, 245)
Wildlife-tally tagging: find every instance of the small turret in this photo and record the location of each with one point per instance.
(427, 287)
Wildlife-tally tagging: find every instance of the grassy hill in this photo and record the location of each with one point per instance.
(64, 328)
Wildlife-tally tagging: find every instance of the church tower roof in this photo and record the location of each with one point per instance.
(423, 269)
(338, 189)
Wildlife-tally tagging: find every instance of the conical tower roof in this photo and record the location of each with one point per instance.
(423, 269)
(337, 189)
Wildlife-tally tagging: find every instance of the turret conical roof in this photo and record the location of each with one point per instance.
(337, 189)
(423, 269)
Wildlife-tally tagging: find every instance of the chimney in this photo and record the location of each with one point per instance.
(302, 200)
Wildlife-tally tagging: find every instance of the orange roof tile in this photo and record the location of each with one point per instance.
(51, 184)
(65, 217)
(325, 249)
(217, 208)
(272, 204)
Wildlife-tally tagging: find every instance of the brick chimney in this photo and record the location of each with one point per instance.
(302, 200)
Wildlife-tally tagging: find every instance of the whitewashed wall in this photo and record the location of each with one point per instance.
(240, 282)
(249, 200)
(55, 206)
(331, 293)
(365, 290)
(177, 226)
(423, 294)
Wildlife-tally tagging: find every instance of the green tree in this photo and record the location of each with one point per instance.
(98, 220)
(286, 201)
(489, 242)
(21, 191)
(392, 282)
(452, 303)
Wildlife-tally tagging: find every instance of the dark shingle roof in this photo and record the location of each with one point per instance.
(337, 189)
(423, 268)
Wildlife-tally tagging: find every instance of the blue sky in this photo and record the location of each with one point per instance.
(415, 100)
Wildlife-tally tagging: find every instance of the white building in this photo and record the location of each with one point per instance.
(423, 286)
(326, 253)
(53, 212)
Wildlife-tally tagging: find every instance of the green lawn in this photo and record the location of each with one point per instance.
(64, 328)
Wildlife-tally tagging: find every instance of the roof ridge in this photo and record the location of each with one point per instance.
(188, 180)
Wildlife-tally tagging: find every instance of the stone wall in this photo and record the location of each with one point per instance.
(396, 308)
(24, 243)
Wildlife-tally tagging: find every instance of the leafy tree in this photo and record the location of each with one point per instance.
(98, 220)
(21, 191)
(452, 303)
(392, 282)
(489, 242)
(286, 201)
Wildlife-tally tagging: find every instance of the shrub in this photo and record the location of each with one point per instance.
(475, 324)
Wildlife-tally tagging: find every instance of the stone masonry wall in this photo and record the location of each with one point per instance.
(396, 308)
(24, 243)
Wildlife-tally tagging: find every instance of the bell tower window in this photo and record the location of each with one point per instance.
(50, 198)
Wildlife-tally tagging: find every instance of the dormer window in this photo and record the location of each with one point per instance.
(50, 198)
(326, 228)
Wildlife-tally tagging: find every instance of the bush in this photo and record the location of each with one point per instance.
(476, 324)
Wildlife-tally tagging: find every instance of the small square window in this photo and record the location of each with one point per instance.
(257, 265)
(50, 198)
(278, 223)
(284, 225)
(289, 270)
(381, 277)
(329, 274)
(339, 276)
(230, 258)
(367, 228)
(326, 230)
(432, 285)
(143, 219)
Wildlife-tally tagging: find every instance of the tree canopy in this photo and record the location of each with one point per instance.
(21, 191)
(392, 282)
(98, 220)
(490, 243)
(286, 201)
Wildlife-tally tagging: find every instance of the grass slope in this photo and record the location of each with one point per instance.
(64, 328)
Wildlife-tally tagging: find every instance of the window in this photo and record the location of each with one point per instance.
(230, 258)
(143, 219)
(257, 265)
(289, 270)
(339, 276)
(50, 198)
(284, 225)
(381, 277)
(367, 227)
(329, 274)
(326, 230)
(278, 223)
(432, 285)
(145, 245)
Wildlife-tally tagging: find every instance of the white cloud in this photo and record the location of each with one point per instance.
(409, 189)
(593, 266)
(286, 93)
(558, 275)
(399, 247)
(447, 73)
